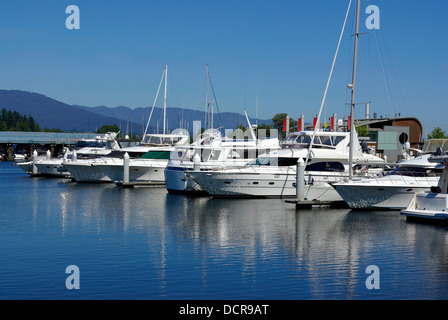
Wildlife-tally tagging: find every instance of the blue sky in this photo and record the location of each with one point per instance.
(117, 56)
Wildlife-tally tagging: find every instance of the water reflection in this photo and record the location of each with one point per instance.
(158, 245)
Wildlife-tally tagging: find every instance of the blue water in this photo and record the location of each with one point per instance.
(144, 243)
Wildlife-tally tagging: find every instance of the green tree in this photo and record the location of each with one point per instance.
(267, 129)
(437, 133)
(51, 129)
(14, 121)
(108, 128)
(277, 122)
(362, 131)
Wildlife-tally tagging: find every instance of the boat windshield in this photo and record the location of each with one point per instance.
(304, 140)
(83, 143)
(431, 145)
(416, 172)
(320, 140)
(160, 139)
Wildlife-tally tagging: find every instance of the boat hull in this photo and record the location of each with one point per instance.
(266, 185)
(143, 170)
(385, 196)
(52, 168)
(176, 181)
(86, 171)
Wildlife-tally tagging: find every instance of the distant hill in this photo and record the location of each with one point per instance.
(51, 113)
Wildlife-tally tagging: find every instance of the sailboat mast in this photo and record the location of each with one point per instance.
(164, 100)
(256, 107)
(353, 86)
(210, 117)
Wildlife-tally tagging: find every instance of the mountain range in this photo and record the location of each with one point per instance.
(51, 113)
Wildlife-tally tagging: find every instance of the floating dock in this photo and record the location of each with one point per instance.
(308, 204)
(133, 184)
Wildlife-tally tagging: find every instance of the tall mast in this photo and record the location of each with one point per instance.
(210, 116)
(353, 86)
(164, 101)
(256, 107)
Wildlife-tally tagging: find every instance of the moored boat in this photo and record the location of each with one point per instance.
(274, 174)
(431, 205)
(395, 189)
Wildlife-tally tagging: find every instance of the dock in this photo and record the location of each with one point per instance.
(133, 184)
(13, 142)
(308, 204)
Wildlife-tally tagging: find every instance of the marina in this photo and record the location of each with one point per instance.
(319, 176)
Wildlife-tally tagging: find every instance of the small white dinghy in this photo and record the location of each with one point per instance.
(431, 205)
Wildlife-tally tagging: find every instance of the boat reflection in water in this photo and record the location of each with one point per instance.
(146, 243)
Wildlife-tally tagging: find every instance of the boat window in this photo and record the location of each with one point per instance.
(303, 139)
(337, 140)
(215, 154)
(205, 154)
(290, 138)
(317, 140)
(274, 161)
(82, 144)
(326, 140)
(238, 154)
(182, 154)
(326, 166)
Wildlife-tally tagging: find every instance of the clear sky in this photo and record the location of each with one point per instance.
(285, 48)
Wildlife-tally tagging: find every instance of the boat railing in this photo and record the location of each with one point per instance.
(400, 179)
(151, 162)
(289, 170)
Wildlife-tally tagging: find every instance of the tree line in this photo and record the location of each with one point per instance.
(14, 121)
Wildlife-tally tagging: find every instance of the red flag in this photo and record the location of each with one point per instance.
(299, 124)
(284, 124)
(349, 122)
(314, 123)
(332, 124)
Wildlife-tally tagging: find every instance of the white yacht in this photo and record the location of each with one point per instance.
(86, 149)
(431, 205)
(274, 174)
(43, 165)
(217, 153)
(28, 167)
(395, 189)
(155, 148)
(147, 161)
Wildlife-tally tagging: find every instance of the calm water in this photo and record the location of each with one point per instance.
(144, 243)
